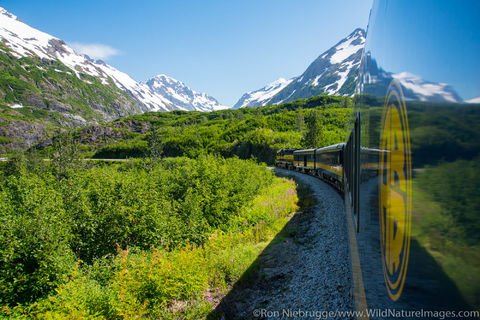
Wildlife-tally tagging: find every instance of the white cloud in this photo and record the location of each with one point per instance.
(94, 50)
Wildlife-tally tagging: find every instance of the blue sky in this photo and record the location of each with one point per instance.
(223, 48)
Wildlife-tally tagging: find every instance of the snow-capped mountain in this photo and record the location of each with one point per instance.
(263, 95)
(18, 40)
(25, 41)
(178, 94)
(334, 72)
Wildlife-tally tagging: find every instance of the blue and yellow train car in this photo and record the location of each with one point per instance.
(329, 164)
(304, 160)
(412, 161)
(284, 158)
(410, 167)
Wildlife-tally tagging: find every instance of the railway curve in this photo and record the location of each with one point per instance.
(307, 271)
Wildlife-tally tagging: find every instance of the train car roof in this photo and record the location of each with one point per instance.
(304, 150)
(332, 147)
(287, 150)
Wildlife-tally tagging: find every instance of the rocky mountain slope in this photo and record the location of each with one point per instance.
(45, 84)
(21, 42)
(334, 72)
(57, 79)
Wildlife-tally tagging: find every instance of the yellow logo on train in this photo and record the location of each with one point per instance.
(395, 191)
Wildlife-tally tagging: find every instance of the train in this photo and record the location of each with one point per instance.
(409, 166)
(325, 163)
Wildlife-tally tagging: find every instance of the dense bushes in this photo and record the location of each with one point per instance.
(34, 238)
(123, 150)
(48, 222)
(173, 284)
(179, 201)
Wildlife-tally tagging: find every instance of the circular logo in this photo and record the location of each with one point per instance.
(395, 191)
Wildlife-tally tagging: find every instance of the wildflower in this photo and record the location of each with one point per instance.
(231, 260)
(244, 222)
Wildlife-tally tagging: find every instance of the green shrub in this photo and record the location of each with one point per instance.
(174, 283)
(34, 239)
(122, 150)
(143, 238)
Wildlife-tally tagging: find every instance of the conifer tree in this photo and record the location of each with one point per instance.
(313, 137)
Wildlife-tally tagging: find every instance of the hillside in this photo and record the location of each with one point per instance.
(244, 132)
(37, 94)
(45, 84)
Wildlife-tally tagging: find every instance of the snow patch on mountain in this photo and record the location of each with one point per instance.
(473, 100)
(346, 48)
(177, 93)
(263, 95)
(417, 88)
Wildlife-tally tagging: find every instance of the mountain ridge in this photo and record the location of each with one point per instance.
(181, 95)
(45, 85)
(334, 72)
(25, 41)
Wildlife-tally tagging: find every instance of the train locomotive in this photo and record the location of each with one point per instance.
(409, 167)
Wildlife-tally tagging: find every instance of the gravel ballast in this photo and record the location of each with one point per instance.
(306, 274)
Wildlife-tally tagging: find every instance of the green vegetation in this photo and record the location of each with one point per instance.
(155, 236)
(446, 221)
(131, 239)
(244, 132)
(313, 137)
